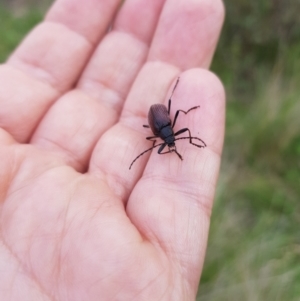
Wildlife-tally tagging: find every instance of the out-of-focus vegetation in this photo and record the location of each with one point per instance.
(254, 245)
(13, 29)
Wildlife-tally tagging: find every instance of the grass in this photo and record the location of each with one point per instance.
(254, 243)
(14, 28)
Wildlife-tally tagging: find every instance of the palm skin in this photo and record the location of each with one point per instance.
(76, 224)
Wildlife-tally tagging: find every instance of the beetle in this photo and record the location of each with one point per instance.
(162, 127)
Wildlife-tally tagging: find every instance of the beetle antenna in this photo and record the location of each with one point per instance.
(174, 87)
(147, 150)
(180, 157)
(200, 146)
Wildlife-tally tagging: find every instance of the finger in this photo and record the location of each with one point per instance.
(77, 120)
(118, 146)
(57, 49)
(188, 33)
(49, 61)
(171, 50)
(142, 12)
(22, 107)
(90, 19)
(116, 62)
(197, 87)
(172, 202)
(6, 138)
(127, 139)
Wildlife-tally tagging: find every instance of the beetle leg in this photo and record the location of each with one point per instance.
(161, 149)
(183, 131)
(151, 139)
(185, 112)
(190, 137)
(169, 106)
(169, 151)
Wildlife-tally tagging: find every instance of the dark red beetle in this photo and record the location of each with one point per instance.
(162, 127)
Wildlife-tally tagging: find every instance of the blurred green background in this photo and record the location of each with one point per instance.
(254, 244)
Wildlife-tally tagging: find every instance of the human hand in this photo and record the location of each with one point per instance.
(76, 223)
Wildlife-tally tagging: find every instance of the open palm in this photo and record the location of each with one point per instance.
(76, 223)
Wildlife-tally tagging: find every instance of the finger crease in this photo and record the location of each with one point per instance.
(33, 68)
(73, 31)
(115, 101)
(71, 157)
